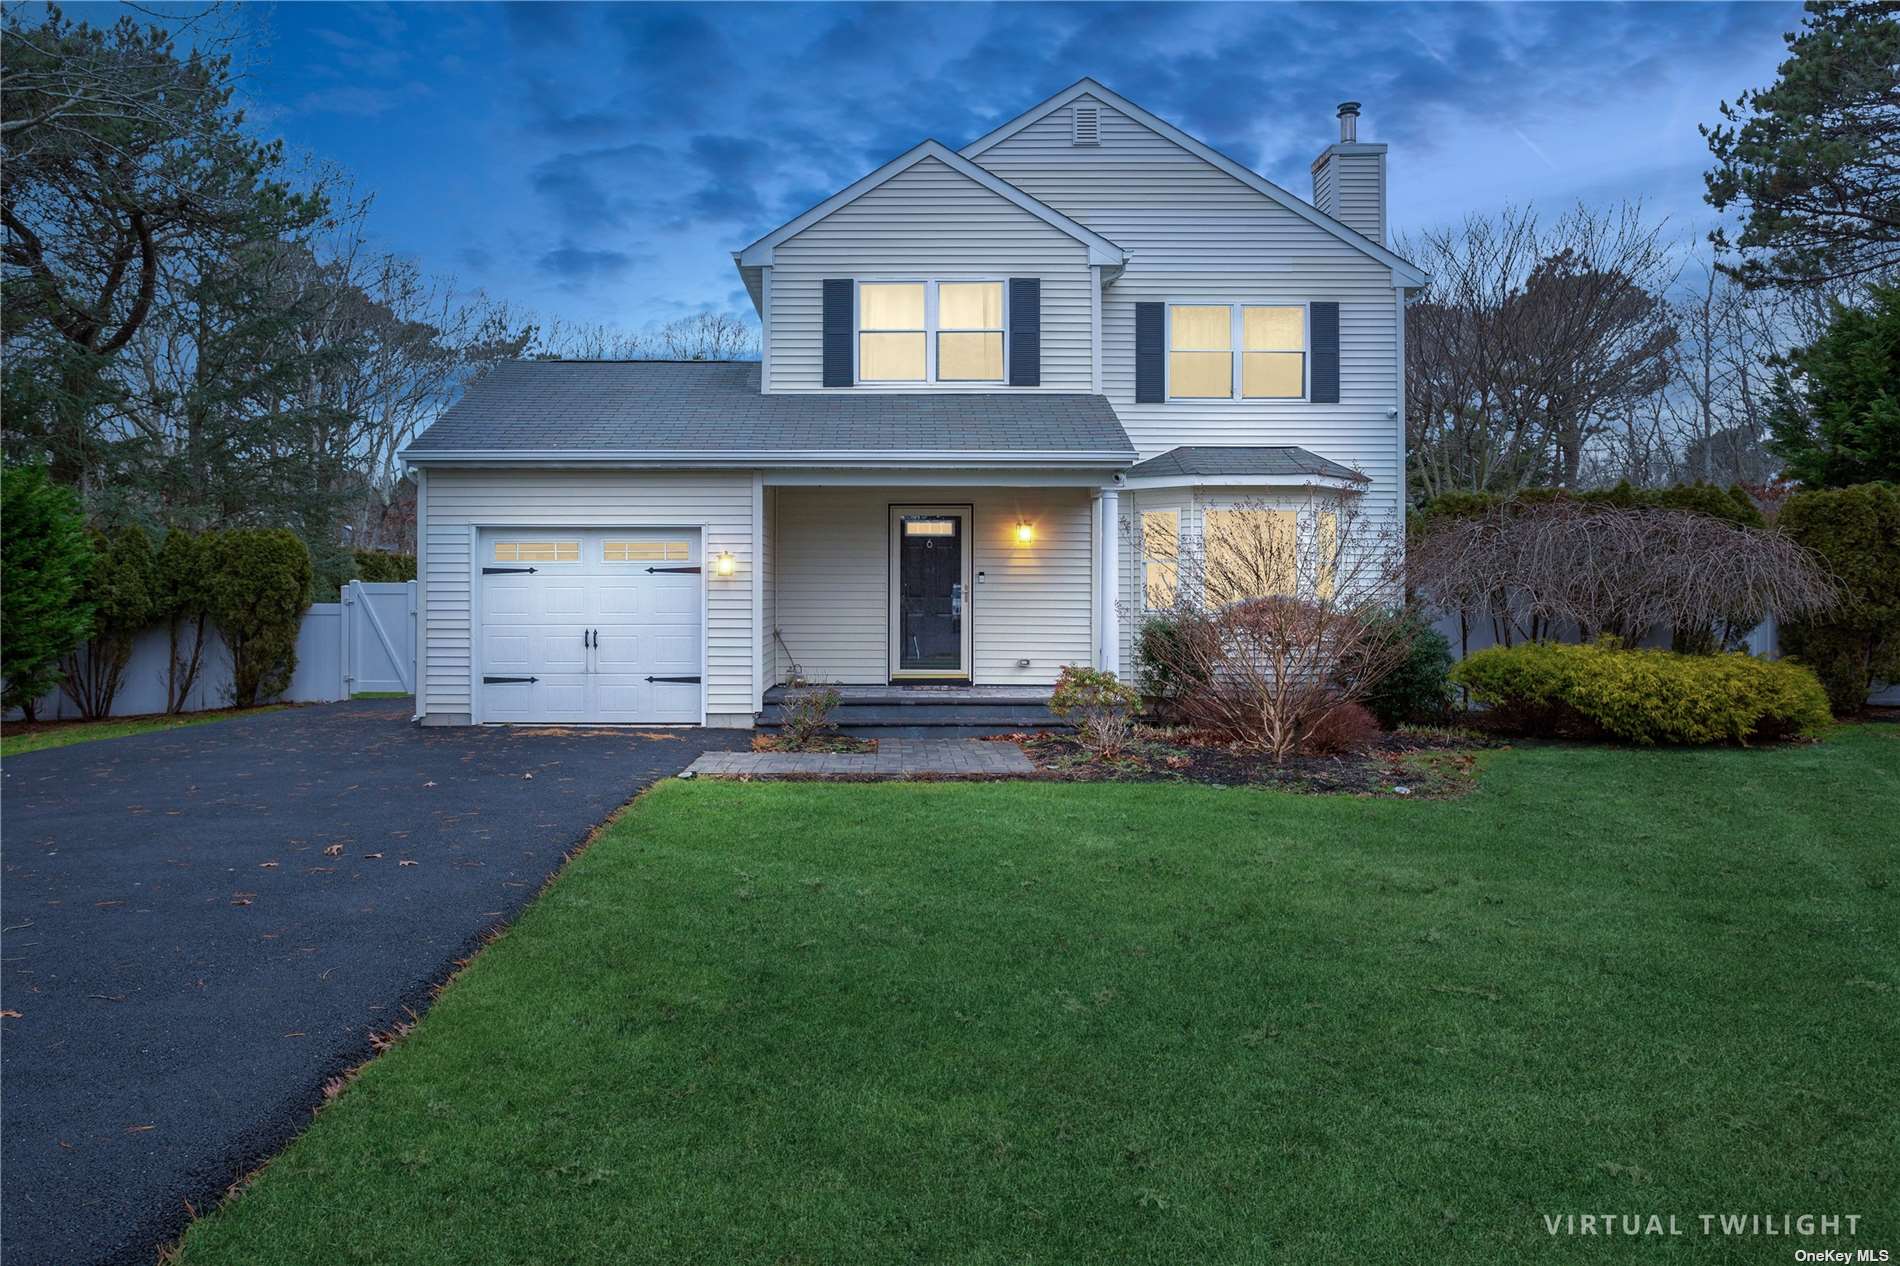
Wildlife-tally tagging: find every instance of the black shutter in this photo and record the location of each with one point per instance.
(1025, 331)
(1151, 366)
(1325, 320)
(837, 332)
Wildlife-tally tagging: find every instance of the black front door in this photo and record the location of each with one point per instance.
(930, 593)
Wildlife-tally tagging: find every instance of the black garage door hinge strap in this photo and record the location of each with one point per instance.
(501, 681)
(693, 570)
(506, 571)
(693, 680)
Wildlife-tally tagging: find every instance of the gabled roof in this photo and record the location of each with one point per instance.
(1404, 268)
(1101, 250)
(711, 413)
(1242, 464)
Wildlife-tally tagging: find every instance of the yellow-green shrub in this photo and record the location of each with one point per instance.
(1645, 696)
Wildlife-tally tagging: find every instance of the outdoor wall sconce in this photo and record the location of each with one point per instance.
(1025, 533)
(724, 563)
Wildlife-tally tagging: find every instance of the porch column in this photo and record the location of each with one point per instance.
(1107, 562)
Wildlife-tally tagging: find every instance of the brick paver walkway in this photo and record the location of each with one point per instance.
(894, 758)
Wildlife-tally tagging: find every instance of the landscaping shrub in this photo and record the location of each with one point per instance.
(1645, 697)
(259, 585)
(1100, 707)
(1166, 670)
(119, 588)
(374, 567)
(807, 712)
(1417, 689)
(1346, 728)
(181, 601)
(45, 556)
(1856, 531)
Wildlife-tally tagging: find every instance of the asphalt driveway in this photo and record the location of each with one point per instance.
(203, 926)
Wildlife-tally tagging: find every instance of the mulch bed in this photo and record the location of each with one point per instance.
(1418, 764)
(843, 743)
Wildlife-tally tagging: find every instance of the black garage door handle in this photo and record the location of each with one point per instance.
(500, 681)
(693, 680)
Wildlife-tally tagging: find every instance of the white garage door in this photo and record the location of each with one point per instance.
(591, 626)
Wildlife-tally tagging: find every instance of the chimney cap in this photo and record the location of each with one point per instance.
(1348, 107)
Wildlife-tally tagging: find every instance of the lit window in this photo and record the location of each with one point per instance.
(891, 332)
(1273, 356)
(931, 331)
(1202, 339)
(1250, 553)
(646, 551)
(969, 331)
(537, 551)
(1201, 352)
(1328, 545)
(1161, 557)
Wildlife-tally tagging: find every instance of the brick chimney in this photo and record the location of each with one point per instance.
(1349, 178)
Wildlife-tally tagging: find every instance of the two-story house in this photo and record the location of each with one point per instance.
(985, 374)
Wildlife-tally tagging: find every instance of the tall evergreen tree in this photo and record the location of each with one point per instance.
(1836, 416)
(1813, 161)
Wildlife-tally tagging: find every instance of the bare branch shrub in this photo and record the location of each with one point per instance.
(1276, 617)
(1539, 571)
(807, 712)
(1101, 708)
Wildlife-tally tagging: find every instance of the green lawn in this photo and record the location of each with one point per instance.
(797, 1023)
(21, 738)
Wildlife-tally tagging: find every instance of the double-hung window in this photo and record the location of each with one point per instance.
(1231, 351)
(930, 331)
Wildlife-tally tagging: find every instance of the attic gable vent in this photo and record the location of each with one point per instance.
(1085, 124)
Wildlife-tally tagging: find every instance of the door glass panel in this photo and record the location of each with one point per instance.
(645, 551)
(537, 551)
(930, 593)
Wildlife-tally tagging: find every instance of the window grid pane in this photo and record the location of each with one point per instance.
(970, 305)
(646, 551)
(891, 357)
(967, 357)
(537, 551)
(1194, 329)
(1273, 329)
(891, 306)
(1201, 375)
(1273, 375)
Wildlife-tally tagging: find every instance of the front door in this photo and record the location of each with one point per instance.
(930, 591)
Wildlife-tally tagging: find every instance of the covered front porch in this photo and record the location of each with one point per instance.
(967, 586)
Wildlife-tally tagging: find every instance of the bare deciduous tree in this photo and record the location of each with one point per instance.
(1565, 568)
(1532, 342)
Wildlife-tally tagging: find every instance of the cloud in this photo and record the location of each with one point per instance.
(573, 263)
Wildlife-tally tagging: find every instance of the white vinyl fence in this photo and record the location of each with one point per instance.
(364, 642)
(1763, 640)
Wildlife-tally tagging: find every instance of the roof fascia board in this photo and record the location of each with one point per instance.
(1405, 274)
(1101, 250)
(705, 459)
(1243, 481)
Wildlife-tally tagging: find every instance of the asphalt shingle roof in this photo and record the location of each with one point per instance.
(1208, 460)
(715, 406)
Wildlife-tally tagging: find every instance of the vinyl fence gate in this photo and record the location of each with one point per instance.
(378, 628)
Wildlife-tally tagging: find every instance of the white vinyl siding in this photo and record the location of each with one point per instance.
(462, 500)
(1031, 601)
(930, 222)
(1197, 235)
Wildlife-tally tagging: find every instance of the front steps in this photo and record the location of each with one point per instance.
(930, 711)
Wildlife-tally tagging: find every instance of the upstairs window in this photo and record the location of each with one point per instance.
(1202, 359)
(930, 331)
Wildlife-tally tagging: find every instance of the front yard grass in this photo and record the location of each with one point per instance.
(21, 737)
(1153, 1023)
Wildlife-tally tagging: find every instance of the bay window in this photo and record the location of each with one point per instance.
(930, 331)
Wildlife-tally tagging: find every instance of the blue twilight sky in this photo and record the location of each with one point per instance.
(599, 162)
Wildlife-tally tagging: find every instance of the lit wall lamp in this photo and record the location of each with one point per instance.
(724, 563)
(1025, 533)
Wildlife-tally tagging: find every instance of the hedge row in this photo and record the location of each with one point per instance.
(1645, 697)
